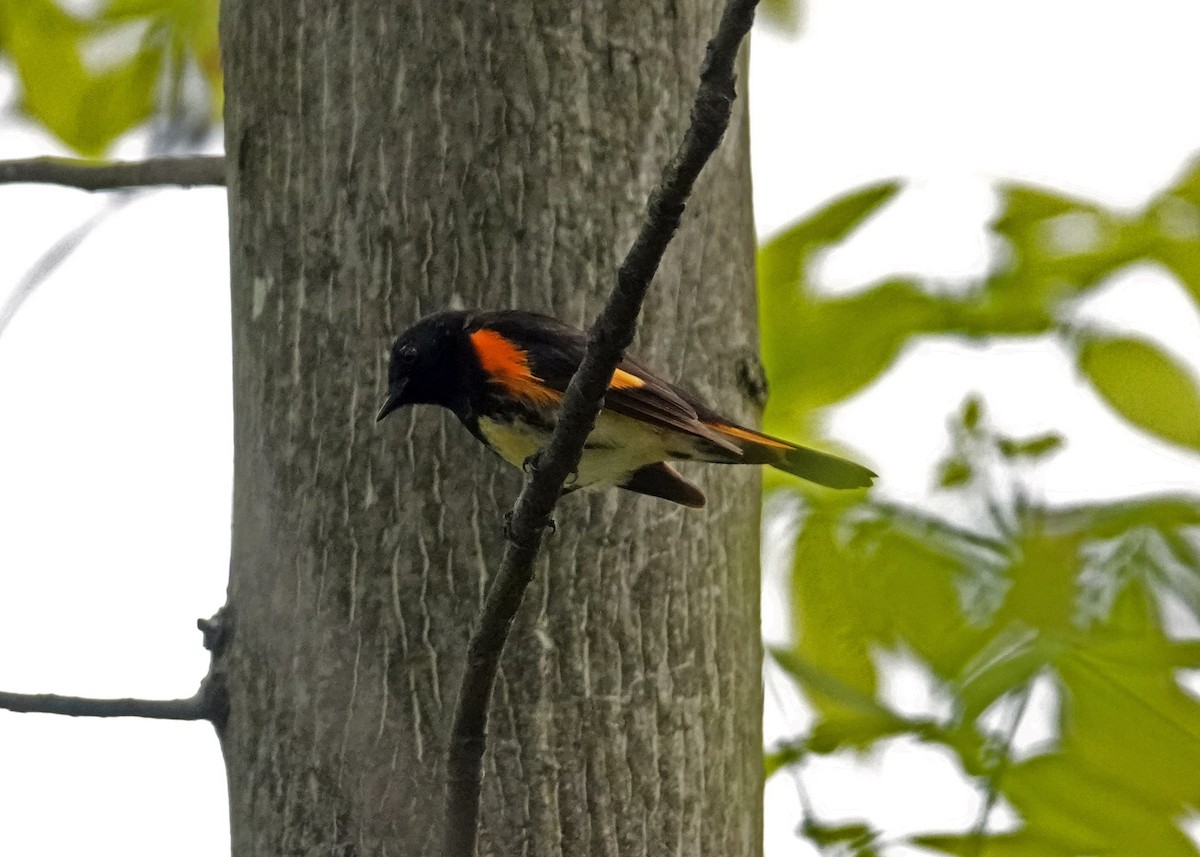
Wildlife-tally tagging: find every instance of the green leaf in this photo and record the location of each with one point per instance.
(972, 413)
(1182, 258)
(1122, 681)
(783, 755)
(784, 15)
(43, 42)
(857, 719)
(86, 110)
(1058, 235)
(861, 729)
(1043, 583)
(1144, 385)
(830, 686)
(823, 592)
(783, 259)
(1172, 224)
(853, 836)
(819, 350)
(1129, 745)
(189, 32)
(891, 580)
(1060, 247)
(1179, 574)
(1098, 808)
(778, 257)
(206, 49)
(1097, 521)
(191, 24)
(1038, 446)
(1187, 187)
(1021, 844)
(1127, 742)
(954, 472)
(1183, 655)
(89, 109)
(1006, 663)
(117, 100)
(1026, 206)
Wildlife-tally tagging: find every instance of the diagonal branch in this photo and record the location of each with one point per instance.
(116, 175)
(197, 707)
(610, 335)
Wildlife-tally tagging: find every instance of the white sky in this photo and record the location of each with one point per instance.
(115, 504)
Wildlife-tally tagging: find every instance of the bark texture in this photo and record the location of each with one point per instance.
(386, 161)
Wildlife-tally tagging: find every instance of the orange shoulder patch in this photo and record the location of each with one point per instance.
(748, 435)
(622, 380)
(506, 364)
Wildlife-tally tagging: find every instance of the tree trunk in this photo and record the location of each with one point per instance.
(389, 160)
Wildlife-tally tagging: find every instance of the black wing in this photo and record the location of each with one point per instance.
(554, 351)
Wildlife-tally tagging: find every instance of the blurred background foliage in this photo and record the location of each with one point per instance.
(89, 73)
(1077, 597)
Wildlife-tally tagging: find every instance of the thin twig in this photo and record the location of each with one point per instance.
(116, 175)
(58, 253)
(210, 702)
(771, 682)
(997, 771)
(607, 341)
(196, 707)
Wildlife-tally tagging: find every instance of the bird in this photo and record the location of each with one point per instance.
(503, 373)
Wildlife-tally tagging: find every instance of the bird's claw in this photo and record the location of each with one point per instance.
(531, 464)
(549, 523)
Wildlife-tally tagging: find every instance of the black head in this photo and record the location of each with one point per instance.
(427, 363)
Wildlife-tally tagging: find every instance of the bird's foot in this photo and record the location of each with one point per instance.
(549, 524)
(530, 465)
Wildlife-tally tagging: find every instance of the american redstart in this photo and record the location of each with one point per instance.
(503, 374)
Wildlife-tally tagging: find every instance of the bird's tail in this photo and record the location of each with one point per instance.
(819, 467)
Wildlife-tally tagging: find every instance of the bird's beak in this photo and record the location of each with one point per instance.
(391, 403)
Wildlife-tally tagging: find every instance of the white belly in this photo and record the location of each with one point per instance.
(618, 445)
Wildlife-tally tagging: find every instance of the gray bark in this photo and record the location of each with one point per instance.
(387, 161)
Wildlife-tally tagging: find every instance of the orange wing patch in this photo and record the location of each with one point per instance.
(622, 380)
(748, 435)
(508, 366)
